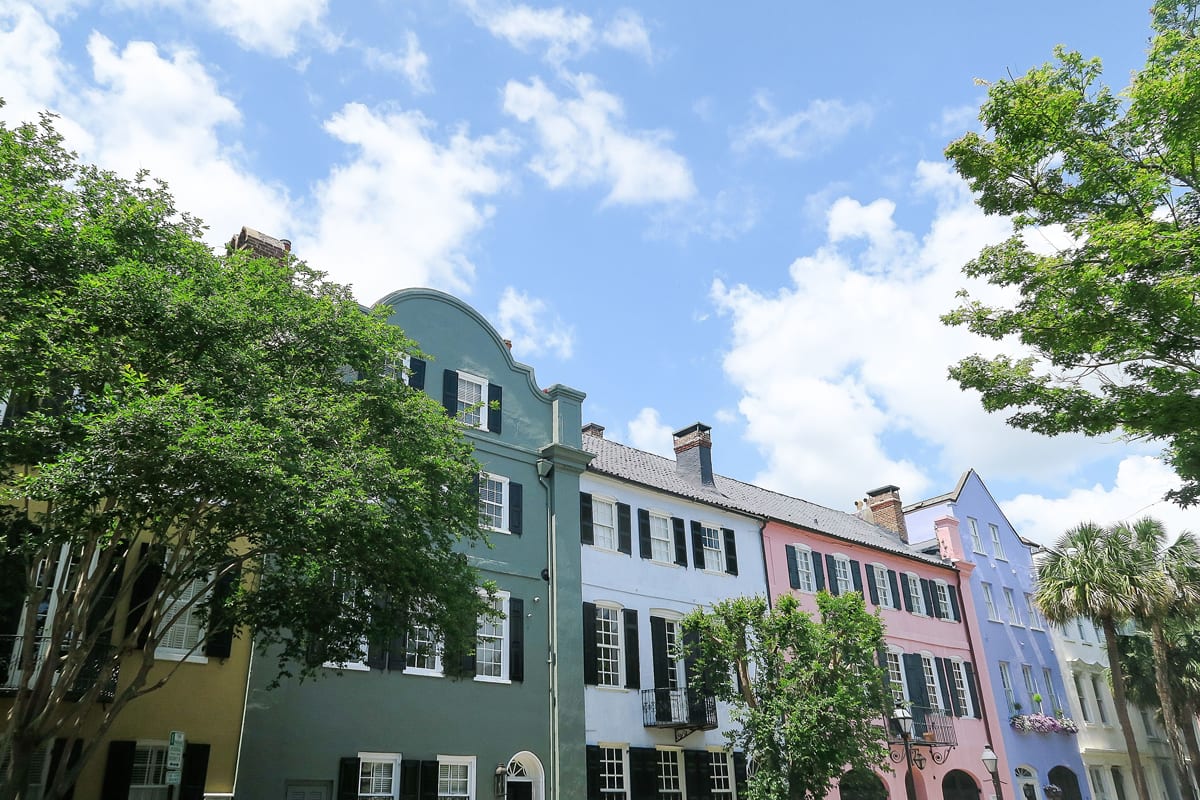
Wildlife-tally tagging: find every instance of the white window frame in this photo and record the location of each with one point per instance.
(484, 478)
(804, 568)
(676, 670)
(602, 540)
(1100, 690)
(1010, 600)
(623, 749)
(1081, 695)
(1031, 687)
(150, 791)
(990, 602)
(916, 598)
(670, 757)
(882, 585)
(1035, 617)
(725, 759)
(1051, 695)
(941, 595)
(996, 543)
(976, 540)
(464, 411)
(711, 530)
(1099, 787)
(488, 632)
(958, 669)
(841, 574)
(457, 761)
(437, 670)
(618, 649)
(662, 549)
(1007, 684)
(392, 759)
(895, 671)
(933, 683)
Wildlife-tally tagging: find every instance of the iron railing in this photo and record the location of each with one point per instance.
(678, 708)
(97, 667)
(931, 726)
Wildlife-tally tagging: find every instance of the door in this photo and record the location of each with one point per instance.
(307, 790)
(519, 791)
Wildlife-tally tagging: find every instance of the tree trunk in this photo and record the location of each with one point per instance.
(1162, 685)
(1193, 745)
(14, 782)
(1118, 682)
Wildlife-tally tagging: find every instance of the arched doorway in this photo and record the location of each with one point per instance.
(524, 779)
(958, 785)
(861, 784)
(1065, 779)
(1027, 785)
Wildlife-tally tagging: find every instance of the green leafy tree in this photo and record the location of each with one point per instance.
(1110, 321)
(808, 693)
(1092, 573)
(219, 428)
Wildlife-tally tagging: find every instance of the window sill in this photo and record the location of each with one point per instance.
(671, 564)
(617, 689)
(708, 571)
(425, 673)
(486, 679)
(175, 655)
(490, 529)
(350, 666)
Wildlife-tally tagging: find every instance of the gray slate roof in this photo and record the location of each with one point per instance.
(637, 466)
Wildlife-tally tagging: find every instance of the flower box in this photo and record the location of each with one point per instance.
(1043, 723)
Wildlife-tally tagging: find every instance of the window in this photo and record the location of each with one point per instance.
(148, 781)
(1083, 637)
(882, 586)
(802, 558)
(714, 548)
(423, 652)
(493, 502)
(1118, 782)
(378, 775)
(1031, 688)
(841, 574)
(1148, 723)
(1101, 707)
(182, 638)
(612, 771)
(941, 596)
(720, 769)
(997, 545)
(456, 777)
(471, 406)
(895, 677)
(958, 677)
(1031, 611)
(990, 602)
(662, 546)
(915, 598)
(1048, 682)
(604, 523)
(608, 646)
(976, 541)
(1084, 709)
(676, 670)
(1006, 682)
(491, 646)
(931, 682)
(670, 774)
(1099, 788)
(1014, 616)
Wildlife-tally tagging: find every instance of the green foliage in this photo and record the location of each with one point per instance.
(1111, 320)
(811, 692)
(238, 414)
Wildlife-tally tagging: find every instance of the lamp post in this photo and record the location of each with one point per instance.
(904, 721)
(990, 760)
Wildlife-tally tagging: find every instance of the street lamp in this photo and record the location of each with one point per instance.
(990, 760)
(904, 721)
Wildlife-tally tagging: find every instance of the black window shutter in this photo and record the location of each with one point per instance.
(818, 570)
(450, 391)
(585, 518)
(698, 774)
(793, 567)
(943, 673)
(906, 596)
(589, 644)
(643, 769)
(952, 593)
(219, 641)
(592, 758)
(495, 400)
(516, 639)
(56, 755)
(896, 596)
(12, 599)
(680, 541)
(658, 647)
(145, 586)
(348, 770)
(118, 770)
(416, 373)
(633, 678)
(429, 780)
(624, 529)
(386, 655)
(872, 589)
(949, 670)
(195, 771)
(918, 694)
(739, 773)
(970, 670)
(697, 545)
(644, 548)
(831, 570)
(410, 780)
(927, 593)
(731, 565)
(856, 575)
(516, 508)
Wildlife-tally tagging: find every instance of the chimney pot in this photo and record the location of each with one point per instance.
(592, 429)
(887, 511)
(693, 453)
(508, 343)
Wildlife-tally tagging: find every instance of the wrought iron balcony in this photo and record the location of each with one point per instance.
(97, 667)
(685, 710)
(931, 726)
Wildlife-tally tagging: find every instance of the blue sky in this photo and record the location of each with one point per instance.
(737, 215)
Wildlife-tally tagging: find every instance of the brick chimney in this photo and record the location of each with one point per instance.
(887, 510)
(592, 429)
(693, 453)
(260, 244)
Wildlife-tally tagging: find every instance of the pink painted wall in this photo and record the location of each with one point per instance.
(912, 634)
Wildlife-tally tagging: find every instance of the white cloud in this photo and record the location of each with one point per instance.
(402, 211)
(412, 63)
(584, 143)
(1141, 482)
(728, 214)
(803, 133)
(647, 432)
(528, 324)
(957, 120)
(31, 73)
(274, 27)
(850, 357)
(561, 35)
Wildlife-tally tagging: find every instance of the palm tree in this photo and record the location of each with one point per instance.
(1089, 573)
(1168, 578)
